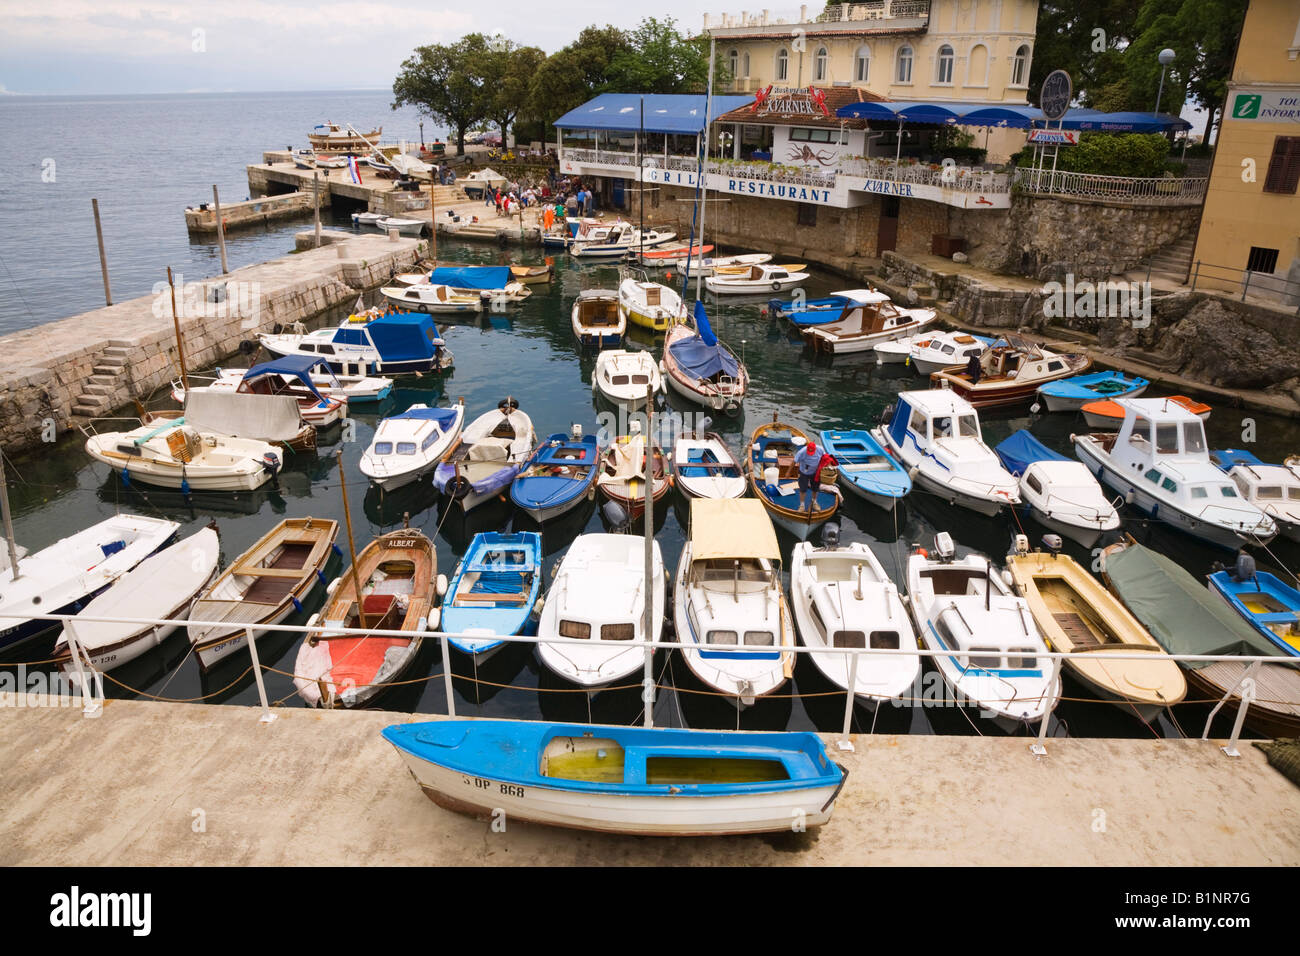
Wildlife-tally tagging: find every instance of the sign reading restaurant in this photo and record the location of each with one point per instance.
(741, 186)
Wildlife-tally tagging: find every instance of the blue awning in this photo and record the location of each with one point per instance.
(1017, 117)
(399, 336)
(471, 277)
(664, 112)
(299, 366)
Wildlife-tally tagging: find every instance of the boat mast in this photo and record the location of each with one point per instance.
(640, 173)
(352, 548)
(647, 626)
(180, 349)
(8, 518)
(704, 169)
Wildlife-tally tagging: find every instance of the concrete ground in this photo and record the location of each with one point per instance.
(157, 784)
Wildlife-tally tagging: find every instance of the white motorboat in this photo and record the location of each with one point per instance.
(725, 265)
(941, 350)
(898, 351)
(624, 376)
(992, 645)
(348, 388)
(704, 467)
(597, 319)
(160, 586)
(756, 280)
(700, 368)
(650, 305)
(427, 297)
(492, 449)
(1059, 492)
(409, 445)
(615, 240)
(407, 227)
(842, 597)
(864, 325)
(1273, 489)
(1159, 461)
(284, 376)
(728, 601)
(368, 219)
(935, 434)
(172, 454)
(599, 595)
(372, 342)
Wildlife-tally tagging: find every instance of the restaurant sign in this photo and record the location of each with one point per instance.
(791, 101)
(1054, 137)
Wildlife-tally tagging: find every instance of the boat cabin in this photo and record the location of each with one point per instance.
(1156, 431)
(928, 417)
(1275, 487)
(415, 430)
(598, 308)
(869, 319)
(842, 573)
(981, 636)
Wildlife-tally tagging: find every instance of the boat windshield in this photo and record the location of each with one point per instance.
(745, 574)
(1193, 438)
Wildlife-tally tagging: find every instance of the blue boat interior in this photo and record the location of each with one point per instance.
(863, 462)
(1267, 602)
(1099, 385)
(778, 450)
(703, 463)
(559, 470)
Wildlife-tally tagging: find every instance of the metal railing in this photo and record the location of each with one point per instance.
(874, 10)
(1265, 284)
(1124, 190)
(963, 178)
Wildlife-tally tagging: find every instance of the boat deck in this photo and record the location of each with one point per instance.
(270, 799)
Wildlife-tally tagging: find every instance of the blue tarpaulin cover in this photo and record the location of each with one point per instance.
(1022, 449)
(664, 112)
(704, 357)
(471, 277)
(399, 337)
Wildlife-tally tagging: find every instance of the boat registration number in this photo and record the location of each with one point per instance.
(509, 789)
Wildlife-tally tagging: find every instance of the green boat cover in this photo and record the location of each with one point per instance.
(1182, 615)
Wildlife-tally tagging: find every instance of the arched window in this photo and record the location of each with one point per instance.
(943, 74)
(904, 72)
(745, 64)
(862, 65)
(782, 64)
(819, 65)
(1020, 66)
(733, 62)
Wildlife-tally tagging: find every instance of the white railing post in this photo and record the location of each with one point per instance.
(846, 744)
(1247, 684)
(446, 677)
(91, 706)
(267, 716)
(1039, 747)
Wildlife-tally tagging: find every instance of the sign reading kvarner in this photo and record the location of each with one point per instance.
(1270, 106)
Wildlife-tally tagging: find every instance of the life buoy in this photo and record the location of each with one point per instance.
(459, 487)
(776, 287)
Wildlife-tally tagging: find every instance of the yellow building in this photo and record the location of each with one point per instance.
(1251, 220)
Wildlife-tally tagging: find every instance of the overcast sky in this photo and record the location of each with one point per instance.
(151, 46)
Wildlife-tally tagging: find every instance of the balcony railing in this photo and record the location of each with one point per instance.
(875, 10)
(963, 178)
(1121, 190)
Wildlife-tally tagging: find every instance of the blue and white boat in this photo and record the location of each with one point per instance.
(370, 343)
(652, 781)
(829, 309)
(1273, 489)
(1268, 604)
(493, 592)
(491, 451)
(560, 476)
(411, 444)
(1071, 394)
(1060, 492)
(866, 469)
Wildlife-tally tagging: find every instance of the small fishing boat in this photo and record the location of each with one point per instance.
(433, 298)
(411, 444)
(1079, 617)
(533, 275)
(372, 219)
(407, 227)
(666, 255)
(636, 780)
(624, 377)
(342, 139)
(491, 451)
(728, 601)
(397, 574)
(649, 304)
(347, 389)
(899, 351)
(704, 467)
(1159, 461)
(1109, 414)
(597, 318)
(1186, 618)
(261, 587)
(706, 266)
(1011, 372)
(991, 644)
(598, 595)
(173, 454)
(700, 368)
(622, 473)
(161, 586)
(774, 479)
(1273, 489)
(1263, 600)
(60, 578)
(373, 342)
(843, 598)
(494, 592)
(935, 434)
(754, 280)
(1059, 492)
(1071, 394)
(861, 327)
(824, 310)
(560, 476)
(941, 350)
(865, 468)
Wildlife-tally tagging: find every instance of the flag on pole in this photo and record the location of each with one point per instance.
(352, 168)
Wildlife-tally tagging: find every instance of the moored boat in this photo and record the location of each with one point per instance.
(1071, 394)
(491, 450)
(622, 473)
(494, 592)
(1059, 492)
(173, 454)
(597, 319)
(285, 376)
(1265, 601)
(433, 298)
(623, 377)
(827, 309)
(702, 369)
(1108, 414)
(560, 476)
(1011, 372)
(411, 444)
(860, 327)
(370, 343)
(1273, 489)
(704, 467)
(865, 468)
(940, 350)
(774, 480)
(650, 305)
(754, 280)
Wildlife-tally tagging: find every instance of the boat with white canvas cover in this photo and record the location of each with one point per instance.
(863, 326)
(992, 645)
(285, 376)
(649, 304)
(624, 376)
(1273, 489)
(728, 601)
(623, 468)
(704, 467)
(174, 454)
(410, 444)
(842, 597)
(755, 280)
(599, 595)
(492, 449)
(160, 586)
(1060, 493)
(699, 367)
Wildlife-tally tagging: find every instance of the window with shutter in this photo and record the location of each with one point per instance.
(1284, 166)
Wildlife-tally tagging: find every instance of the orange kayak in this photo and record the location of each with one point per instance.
(1109, 414)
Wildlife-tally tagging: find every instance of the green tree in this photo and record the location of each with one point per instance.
(660, 59)
(445, 82)
(506, 73)
(573, 75)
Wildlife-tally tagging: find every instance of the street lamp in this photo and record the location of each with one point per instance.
(1165, 56)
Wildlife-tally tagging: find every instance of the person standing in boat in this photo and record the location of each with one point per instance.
(974, 369)
(808, 460)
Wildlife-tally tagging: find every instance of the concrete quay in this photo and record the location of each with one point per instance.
(152, 783)
(250, 212)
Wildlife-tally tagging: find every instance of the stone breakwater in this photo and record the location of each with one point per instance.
(54, 376)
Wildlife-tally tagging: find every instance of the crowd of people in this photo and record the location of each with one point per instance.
(568, 197)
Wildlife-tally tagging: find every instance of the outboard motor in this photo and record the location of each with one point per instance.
(615, 517)
(508, 404)
(575, 431)
(1052, 542)
(888, 414)
(272, 465)
(830, 536)
(943, 546)
(1244, 569)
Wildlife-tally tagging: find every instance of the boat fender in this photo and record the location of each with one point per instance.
(913, 472)
(311, 621)
(458, 488)
(433, 620)
(337, 551)
(776, 287)
(538, 605)
(297, 605)
(126, 477)
(329, 588)
(441, 585)
(320, 575)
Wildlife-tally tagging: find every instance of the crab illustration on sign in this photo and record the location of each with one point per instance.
(761, 96)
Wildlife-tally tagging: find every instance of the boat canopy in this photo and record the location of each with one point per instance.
(299, 366)
(442, 416)
(242, 415)
(1022, 449)
(399, 336)
(471, 277)
(1179, 611)
(1230, 457)
(732, 528)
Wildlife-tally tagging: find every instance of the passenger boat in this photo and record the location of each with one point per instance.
(865, 468)
(1059, 492)
(1079, 617)
(494, 592)
(860, 328)
(615, 240)
(704, 467)
(824, 310)
(622, 473)
(1273, 489)
(370, 343)
(1011, 372)
(597, 318)
(411, 444)
(1071, 394)
(990, 642)
(407, 227)
(261, 587)
(650, 305)
(598, 595)
(397, 574)
(728, 601)
(935, 434)
(754, 280)
(1160, 463)
(773, 478)
(941, 350)
(843, 598)
(433, 298)
(347, 389)
(624, 377)
(286, 376)
(337, 139)
(173, 454)
(492, 449)
(59, 579)
(635, 780)
(700, 368)
(1108, 414)
(1265, 601)
(560, 476)
(160, 586)
(1185, 618)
